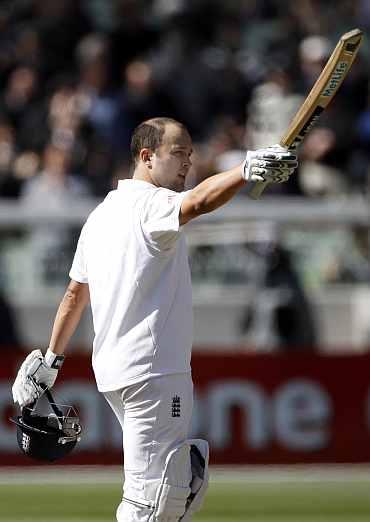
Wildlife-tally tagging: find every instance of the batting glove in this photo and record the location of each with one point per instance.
(35, 374)
(274, 164)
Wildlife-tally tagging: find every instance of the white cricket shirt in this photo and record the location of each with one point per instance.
(134, 257)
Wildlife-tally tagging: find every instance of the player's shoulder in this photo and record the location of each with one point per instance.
(161, 197)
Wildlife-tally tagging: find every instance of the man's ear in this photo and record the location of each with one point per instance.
(146, 157)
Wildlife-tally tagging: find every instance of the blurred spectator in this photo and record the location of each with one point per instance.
(54, 114)
(183, 71)
(360, 164)
(363, 13)
(314, 52)
(316, 178)
(8, 332)
(10, 186)
(60, 26)
(122, 171)
(272, 107)
(53, 191)
(350, 258)
(280, 317)
(54, 186)
(96, 99)
(98, 168)
(20, 94)
(64, 114)
(294, 319)
(136, 32)
(139, 99)
(25, 166)
(27, 49)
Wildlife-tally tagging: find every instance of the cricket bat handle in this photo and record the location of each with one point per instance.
(260, 186)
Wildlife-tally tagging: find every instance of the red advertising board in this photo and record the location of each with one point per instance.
(255, 409)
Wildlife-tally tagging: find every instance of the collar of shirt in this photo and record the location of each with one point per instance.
(123, 182)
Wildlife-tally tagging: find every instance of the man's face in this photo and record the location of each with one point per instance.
(171, 161)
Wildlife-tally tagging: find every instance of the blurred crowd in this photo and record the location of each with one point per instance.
(76, 77)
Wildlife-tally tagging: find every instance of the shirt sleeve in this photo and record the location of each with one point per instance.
(160, 218)
(78, 270)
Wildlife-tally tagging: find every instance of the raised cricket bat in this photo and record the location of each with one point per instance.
(320, 96)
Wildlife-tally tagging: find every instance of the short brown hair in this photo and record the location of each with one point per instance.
(149, 134)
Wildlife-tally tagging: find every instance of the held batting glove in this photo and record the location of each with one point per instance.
(35, 374)
(274, 164)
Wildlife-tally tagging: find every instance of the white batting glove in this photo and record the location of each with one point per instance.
(274, 164)
(36, 373)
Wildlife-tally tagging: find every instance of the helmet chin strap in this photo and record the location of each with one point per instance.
(55, 408)
(50, 398)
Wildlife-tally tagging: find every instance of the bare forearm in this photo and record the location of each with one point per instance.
(212, 193)
(219, 189)
(67, 319)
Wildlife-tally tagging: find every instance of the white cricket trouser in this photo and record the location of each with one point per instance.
(155, 418)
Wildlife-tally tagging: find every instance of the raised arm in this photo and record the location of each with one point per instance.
(274, 164)
(211, 193)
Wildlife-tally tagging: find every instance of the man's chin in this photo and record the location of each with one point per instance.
(177, 187)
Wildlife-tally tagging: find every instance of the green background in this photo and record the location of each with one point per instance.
(340, 501)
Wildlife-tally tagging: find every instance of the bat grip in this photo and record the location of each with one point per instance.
(258, 188)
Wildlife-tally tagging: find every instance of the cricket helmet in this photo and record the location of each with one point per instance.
(48, 437)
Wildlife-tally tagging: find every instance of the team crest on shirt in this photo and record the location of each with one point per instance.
(176, 406)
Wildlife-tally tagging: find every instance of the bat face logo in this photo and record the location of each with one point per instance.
(351, 47)
(308, 125)
(335, 79)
